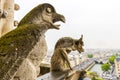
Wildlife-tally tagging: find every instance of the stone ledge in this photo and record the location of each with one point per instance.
(56, 75)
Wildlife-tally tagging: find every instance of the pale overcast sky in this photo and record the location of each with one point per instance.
(97, 20)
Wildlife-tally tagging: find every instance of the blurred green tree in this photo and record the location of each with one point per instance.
(111, 59)
(90, 55)
(105, 68)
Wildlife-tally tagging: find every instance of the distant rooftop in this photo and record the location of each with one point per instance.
(118, 59)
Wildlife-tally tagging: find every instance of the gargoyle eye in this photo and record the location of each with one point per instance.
(76, 43)
(49, 10)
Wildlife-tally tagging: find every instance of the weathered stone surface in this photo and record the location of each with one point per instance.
(14, 50)
(6, 16)
(59, 59)
(30, 69)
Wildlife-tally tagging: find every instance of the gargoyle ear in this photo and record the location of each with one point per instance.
(81, 37)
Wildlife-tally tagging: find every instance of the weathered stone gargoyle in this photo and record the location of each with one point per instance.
(60, 60)
(23, 49)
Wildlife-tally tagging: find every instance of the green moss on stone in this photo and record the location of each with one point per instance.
(18, 42)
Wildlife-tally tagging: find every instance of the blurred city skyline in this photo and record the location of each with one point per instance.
(97, 20)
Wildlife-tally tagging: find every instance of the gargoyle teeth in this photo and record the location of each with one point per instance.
(57, 26)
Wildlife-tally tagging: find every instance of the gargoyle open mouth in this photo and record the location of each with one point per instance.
(57, 18)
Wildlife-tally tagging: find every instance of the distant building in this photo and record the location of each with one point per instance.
(117, 67)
